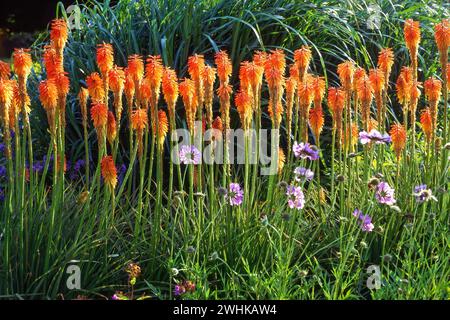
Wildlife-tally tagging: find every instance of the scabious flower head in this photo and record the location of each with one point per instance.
(366, 220)
(398, 137)
(374, 136)
(305, 151)
(5, 70)
(111, 128)
(22, 62)
(346, 71)
(384, 194)
(295, 197)
(59, 33)
(95, 86)
(386, 61)
(105, 58)
(109, 172)
(303, 174)
(235, 195)
(189, 154)
(442, 35)
(224, 66)
(433, 89)
(423, 194)
(99, 115)
(179, 290)
(411, 32)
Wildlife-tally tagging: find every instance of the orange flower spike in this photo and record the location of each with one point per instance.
(52, 62)
(426, 122)
(145, 92)
(294, 73)
(139, 119)
(99, 115)
(170, 89)
(154, 72)
(15, 104)
(448, 75)
(22, 62)
(376, 77)
(224, 66)
(302, 58)
(196, 64)
(187, 92)
(209, 76)
(274, 69)
(316, 121)
(111, 128)
(346, 71)
(336, 100)
(259, 58)
(48, 95)
(109, 172)
(62, 84)
(364, 90)
(433, 89)
(83, 97)
(411, 32)
(318, 87)
(95, 86)
(217, 124)
(281, 160)
(386, 61)
(442, 36)
(59, 34)
(116, 78)
(129, 88)
(243, 104)
(136, 68)
(243, 76)
(105, 58)
(291, 86)
(5, 70)
(398, 137)
(163, 127)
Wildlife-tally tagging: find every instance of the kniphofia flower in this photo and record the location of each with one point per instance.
(336, 103)
(411, 32)
(59, 33)
(22, 62)
(48, 96)
(442, 36)
(364, 93)
(398, 137)
(209, 76)
(243, 103)
(83, 97)
(139, 121)
(99, 116)
(116, 79)
(377, 81)
(109, 172)
(163, 127)
(427, 123)
(111, 128)
(346, 71)
(5, 70)
(302, 58)
(224, 66)
(170, 90)
(105, 58)
(154, 73)
(433, 90)
(316, 121)
(95, 86)
(52, 62)
(386, 61)
(196, 65)
(187, 92)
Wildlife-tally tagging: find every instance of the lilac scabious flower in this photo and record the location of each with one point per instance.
(303, 174)
(190, 155)
(235, 195)
(305, 151)
(385, 194)
(2, 171)
(374, 136)
(296, 198)
(179, 290)
(366, 220)
(38, 166)
(423, 194)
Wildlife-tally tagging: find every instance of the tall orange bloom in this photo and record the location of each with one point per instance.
(111, 128)
(95, 86)
(442, 36)
(99, 115)
(403, 89)
(139, 121)
(302, 58)
(22, 62)
(411, 32)
(15, 104)
(224, 66)
(136, 71)
(260, 57)
(364, 93)
(187, 92)
(5, 70)
(306, 97)
(52, 62)
(105, 58)
(163, 127)
(49, 98)
(116, 79)
(398, 137)
(281, 160)
(386, 61)
(243, 104)
(274, 69)
(426, 122)
(59, 33)
(62, 83)
(6, 97)
(433, 90)
(109, 172)
(336, 103)
(83, 97)
(316, 121)
(377, 81)
(170, 90)
(129, 89)
(346, 71)
(154, 72)
(209, 76)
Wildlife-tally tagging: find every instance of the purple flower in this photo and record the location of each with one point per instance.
(38, 166)
(179, 290)
(374, 136)
(2, 171)
(235, 195)
(190, 155)
(296, 198)
(385, 194)
(303, 174)
(305, 151)
(366, 220)
(121, 175)
(2, 148)
(422, 194)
